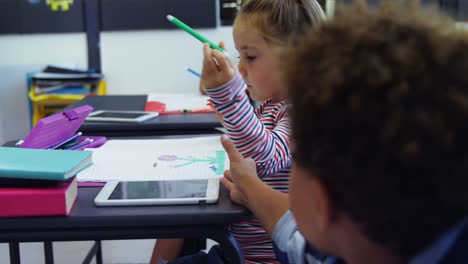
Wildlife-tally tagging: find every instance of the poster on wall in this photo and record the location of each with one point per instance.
(51, 16)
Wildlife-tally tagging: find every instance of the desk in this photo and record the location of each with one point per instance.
(88, 222)
(174, 124)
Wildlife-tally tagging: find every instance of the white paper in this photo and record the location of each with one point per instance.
(175, 102)
(158, 159)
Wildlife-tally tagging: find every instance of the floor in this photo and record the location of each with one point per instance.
(114, 252)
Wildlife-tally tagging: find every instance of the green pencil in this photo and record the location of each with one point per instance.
(192, 32)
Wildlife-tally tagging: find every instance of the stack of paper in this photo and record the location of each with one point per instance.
(63, 81)
(158, 159)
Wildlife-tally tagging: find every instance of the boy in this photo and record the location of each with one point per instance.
(379, 131)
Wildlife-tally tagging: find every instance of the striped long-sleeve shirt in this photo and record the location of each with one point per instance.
(261, 134)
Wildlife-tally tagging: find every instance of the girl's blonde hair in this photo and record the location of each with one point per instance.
(281, 20)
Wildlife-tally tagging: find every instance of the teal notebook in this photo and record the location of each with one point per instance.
(43, 164)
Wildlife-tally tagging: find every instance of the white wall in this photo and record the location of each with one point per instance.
(133, 61)
(155, 61)
(14, 111)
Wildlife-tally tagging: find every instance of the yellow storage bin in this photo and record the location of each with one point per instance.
(46, 104)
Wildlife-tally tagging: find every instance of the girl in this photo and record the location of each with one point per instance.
(261, 29)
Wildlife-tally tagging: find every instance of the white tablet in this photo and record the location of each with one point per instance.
(121, 116)
(129, 193)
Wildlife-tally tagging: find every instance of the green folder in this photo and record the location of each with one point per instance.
(42, 164)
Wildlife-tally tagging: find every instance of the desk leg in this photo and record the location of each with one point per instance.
(49, 252)
(14, 253)
(96, 250)
(231, 248)
(99, 252)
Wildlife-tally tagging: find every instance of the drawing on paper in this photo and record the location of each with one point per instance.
(214, 163)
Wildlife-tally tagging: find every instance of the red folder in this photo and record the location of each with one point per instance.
(153, 106)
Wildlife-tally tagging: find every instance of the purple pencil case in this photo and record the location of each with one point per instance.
(58, 127)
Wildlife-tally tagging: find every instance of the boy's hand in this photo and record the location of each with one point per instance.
(242, 176)
(217, 68)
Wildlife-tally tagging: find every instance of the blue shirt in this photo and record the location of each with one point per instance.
(293, 248)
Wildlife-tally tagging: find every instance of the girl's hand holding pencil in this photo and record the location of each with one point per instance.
(218, 69)
(201, 88)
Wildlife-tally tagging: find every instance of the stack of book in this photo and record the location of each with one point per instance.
(55, 88)
(39, 182)
(54, 80)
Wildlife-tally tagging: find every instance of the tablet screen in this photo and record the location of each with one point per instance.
(118, 115)
(159, 189)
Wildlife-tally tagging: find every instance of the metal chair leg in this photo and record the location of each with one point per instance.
(95, 251)
(49, 252)
(14, 253)
(99, 252)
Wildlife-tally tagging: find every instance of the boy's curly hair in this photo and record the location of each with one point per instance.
(380, 115)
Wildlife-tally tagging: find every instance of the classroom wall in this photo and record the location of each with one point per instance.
(156, 61)
(14, 111)
(134, 62)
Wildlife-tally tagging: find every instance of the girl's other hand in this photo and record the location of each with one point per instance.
(201, 88)
(217, 68)
(241, 179)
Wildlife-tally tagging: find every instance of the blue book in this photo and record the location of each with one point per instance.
(45, 164)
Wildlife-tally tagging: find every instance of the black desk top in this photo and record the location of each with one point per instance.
(163, 125)
(86, 215)
(114, 102)
(89, 222)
